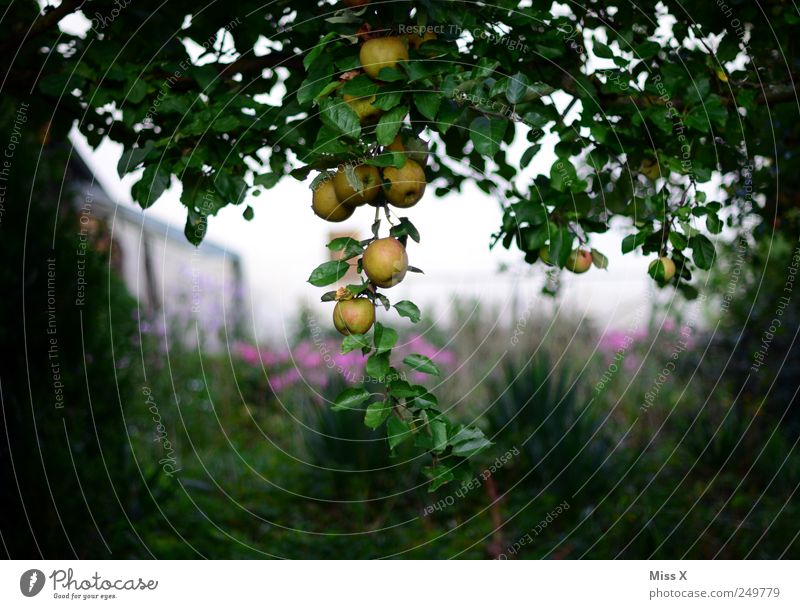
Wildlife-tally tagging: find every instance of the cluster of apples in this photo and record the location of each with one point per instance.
(385, 261)
(662, 269)
(335, 199)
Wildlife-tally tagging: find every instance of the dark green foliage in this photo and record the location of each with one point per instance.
(564, 436)
(70, 482)
(684, 110)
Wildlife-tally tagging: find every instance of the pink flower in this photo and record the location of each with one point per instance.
(417, 344)
(248, 353)
(615, 340)
(283, 380)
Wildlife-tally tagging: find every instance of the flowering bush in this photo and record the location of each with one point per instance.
(312, 364)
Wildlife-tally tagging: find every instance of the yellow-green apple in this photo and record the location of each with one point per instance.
(370, 182)
(404, 187)
(579, 261)
(354, 316)
(385, 262)
(379, 53)
(327, 206)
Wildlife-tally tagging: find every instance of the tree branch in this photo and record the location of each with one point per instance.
(255, 65)
(247, 66)
(770, 95)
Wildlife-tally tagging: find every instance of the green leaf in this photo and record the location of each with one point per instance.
(428, 104)
(487, 134)
(389, 158)
(386, 100)
(439, 433)
(225, 124)
(689, 291)
(714, 224)
(391, 75)
(422, 364)
(405, 228)
(517, 88)
(647, 49)
(678, 240)
(348, 246)
(377, 413)
(196, 226)
(397, 432)
(425, 400)
(317, 80)
(468, 442)
(599, 260)
(361, 86)
(155, 180)
(340, 116)
(132, 157)
(602, 50)
(327, 90)
(318, 48)
(378, 366)
(563, 175)
(711, 110)
(402, 389)
(328, 272)
(449, 113)
(350, 399)
(59, 84)
(137, 92)
(406, 308)
(385, 338)
(631, 242)
(206, 76)
(389, 125)
(384, 301)
(561, 240)
(537, 90)
(354, 341)
(232, 188)
(528, 155)
(327, 142)
(438, 475)
(267, 180)
(702, 251)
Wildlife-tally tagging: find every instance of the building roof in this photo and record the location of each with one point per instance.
(93, 189)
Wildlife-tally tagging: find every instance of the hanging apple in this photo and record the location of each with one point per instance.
(327, 206)
(385, 262)
(404, 187)
(379, 53)
(370, 181)
(579, 261)
(354, 316)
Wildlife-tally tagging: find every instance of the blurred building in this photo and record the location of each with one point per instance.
(175, 282)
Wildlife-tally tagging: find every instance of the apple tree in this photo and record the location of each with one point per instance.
(648, 105)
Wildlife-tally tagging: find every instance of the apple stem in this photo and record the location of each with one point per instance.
(388, 214)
